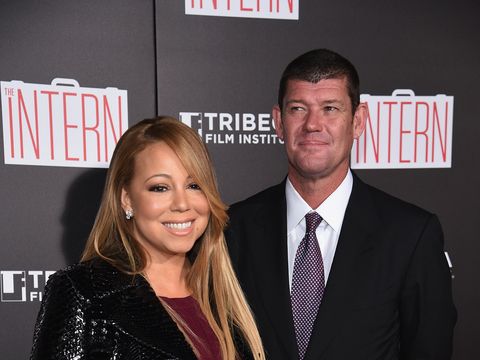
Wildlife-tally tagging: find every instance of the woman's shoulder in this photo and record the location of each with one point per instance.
(90, 279)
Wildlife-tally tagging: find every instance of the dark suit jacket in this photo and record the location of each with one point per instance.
(388, 295)
(91, 311)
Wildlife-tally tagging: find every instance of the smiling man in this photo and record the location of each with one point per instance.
(333, 268)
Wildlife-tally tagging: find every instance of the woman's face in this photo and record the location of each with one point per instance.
(170, 210)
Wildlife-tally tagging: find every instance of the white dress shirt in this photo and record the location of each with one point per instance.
(332, 210)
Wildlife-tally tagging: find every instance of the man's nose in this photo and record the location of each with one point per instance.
(314, 120)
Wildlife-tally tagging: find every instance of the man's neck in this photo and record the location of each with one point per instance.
(315, 190)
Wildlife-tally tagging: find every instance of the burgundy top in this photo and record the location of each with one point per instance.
(189, 310)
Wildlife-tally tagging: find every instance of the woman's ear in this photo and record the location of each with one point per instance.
(126, 204)
(125, 200)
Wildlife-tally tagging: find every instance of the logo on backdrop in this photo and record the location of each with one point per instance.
(405, 131)
(266, 9)
(61, 124)
(236, 128)
(23, 286)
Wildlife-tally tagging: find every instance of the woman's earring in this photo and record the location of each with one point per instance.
(129, 214)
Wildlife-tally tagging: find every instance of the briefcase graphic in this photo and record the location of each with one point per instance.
(405, 131)
(61, 124)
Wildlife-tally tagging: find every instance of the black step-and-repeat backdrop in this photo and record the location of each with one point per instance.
(75, 74)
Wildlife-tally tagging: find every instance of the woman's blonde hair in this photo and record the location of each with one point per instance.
(211, 278)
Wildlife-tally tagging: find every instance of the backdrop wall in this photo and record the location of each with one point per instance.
(220, 75)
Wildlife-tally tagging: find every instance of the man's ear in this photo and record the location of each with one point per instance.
(359, 120)
(277, 120)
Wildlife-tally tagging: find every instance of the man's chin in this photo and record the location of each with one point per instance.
(315, 169)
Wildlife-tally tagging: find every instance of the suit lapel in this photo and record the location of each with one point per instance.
(272, 279)
(356, 239)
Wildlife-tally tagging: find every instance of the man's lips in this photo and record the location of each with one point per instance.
(314, 139)
(312, 142)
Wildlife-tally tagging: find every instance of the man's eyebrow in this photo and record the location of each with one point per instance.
(332, 101)
(295, 101)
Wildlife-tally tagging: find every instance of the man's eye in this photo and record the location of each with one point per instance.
(297, 108)
(330, 108)
(194, 186)
(158, 188)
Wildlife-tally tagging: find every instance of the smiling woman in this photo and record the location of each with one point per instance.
(155, 280)
(170, 211)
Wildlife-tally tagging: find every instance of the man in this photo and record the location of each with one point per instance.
(333, 268)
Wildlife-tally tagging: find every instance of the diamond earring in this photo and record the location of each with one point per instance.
(129, 214)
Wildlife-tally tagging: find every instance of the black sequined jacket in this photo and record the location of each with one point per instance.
(93, 311)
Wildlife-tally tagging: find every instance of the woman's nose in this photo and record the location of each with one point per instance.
(180, 200)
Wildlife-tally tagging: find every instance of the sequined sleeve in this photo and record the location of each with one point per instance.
(61, 324)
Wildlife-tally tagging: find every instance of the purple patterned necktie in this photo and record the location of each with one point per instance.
(308, 283)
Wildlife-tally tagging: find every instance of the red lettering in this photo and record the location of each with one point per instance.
(214, 4)
(106, 110)
(290, 6)
(21, 105)
(289, 3)
(374, 136)
(12, 140)
(92, 128)
(402, 131)
(376, 145)
(423, 132)
(243, 8)
(243, 5)
(193, 4)
(436, 120)
(50, 120)
(66, 126)
(389, 142)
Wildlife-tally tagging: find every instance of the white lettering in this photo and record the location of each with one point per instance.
(15, 285)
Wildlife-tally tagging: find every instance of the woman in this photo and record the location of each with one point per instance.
(155, 280)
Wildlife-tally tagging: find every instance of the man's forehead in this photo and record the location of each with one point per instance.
(329, 87)
(328, 82)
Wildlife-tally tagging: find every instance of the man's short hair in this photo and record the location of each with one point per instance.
(321, 64)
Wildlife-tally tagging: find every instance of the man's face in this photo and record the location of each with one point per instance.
(318, 128)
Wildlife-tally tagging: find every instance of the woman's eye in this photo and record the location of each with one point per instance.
(194, 186)
(158, 188)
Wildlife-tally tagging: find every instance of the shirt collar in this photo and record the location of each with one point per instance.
(332, 210)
